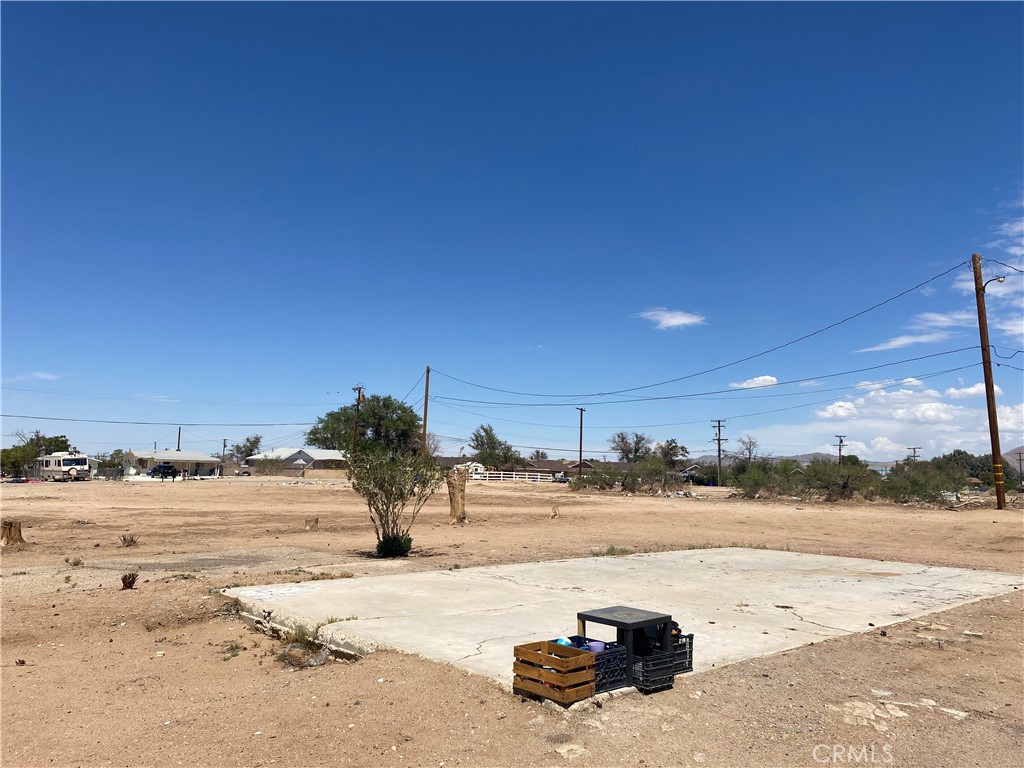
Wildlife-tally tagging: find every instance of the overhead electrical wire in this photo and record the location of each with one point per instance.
(754, 356)
(153, 423)
(709, 392)
(861, 392)
(414, 386)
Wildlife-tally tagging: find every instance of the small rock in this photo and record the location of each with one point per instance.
(571, 751)
(969, 633)
(501, 715)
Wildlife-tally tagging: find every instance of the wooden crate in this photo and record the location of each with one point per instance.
(552, 671)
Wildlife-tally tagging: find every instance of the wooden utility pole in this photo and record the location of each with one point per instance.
(579, 468)
(179, 438)
(840, 446)
(358, 389)
(426, 399)
(915, 449)
(718, 424)
(990, 390)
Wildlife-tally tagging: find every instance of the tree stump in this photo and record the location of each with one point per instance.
(10, 532)
(456, 480)
(312, 523)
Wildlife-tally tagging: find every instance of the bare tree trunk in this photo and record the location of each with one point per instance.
(10, 532)
(456, 480)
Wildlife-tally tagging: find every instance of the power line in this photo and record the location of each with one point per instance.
(152, 423)
(414, 386)
(714, 391)
(724, 365)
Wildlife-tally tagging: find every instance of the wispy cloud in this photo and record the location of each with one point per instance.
(932, 320)
(907, 340)
(34, 376)
(665, 319)
(754, 383)
(157, 398)
(1011, 238)
(976, 390)
(812, 383)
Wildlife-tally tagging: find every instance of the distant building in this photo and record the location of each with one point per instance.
(299, 462)
(191, 462)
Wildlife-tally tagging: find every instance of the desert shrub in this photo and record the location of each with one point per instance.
(766, 478)
(389, 480)
(920, 481)
(839, 481)
(395, 546)
(603, 477)
(128, 580)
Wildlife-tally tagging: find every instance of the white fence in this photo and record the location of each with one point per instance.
(533, 477)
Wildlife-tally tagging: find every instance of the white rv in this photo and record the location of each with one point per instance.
(64, 466)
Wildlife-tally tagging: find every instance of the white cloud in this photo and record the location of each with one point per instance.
(1012, 240)
(907, 340)
(664, 319)
(1011, 424)
(874, 384)
(757, 381)
(1012, 326)
(884, 449)
(910, 381)
(841, 409)
(34, 376)
(975, 390)
(157, 398)
(812, 383)
(927, 413)
(929, 320)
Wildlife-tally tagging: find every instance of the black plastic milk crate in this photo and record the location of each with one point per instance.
(654, 671)
(682, 653)
(609, 664)
(610, 667)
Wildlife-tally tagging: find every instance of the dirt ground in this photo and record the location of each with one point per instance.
(166, 675)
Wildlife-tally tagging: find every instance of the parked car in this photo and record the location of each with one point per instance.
(164, 470)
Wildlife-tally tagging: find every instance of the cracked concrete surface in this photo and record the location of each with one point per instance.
(739, 603)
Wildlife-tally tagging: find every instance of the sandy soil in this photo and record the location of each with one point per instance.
(166, 674)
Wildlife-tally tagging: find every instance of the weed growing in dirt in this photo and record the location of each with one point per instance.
(305, 575)
(736, 545)
(128, 580)
(233, 649)
(614, 551)
(76, 562)
(67, 579)
(129, 539)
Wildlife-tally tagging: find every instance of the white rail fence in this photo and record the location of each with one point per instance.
(533, 477)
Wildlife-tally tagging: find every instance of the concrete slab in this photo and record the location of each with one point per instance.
(739, 603)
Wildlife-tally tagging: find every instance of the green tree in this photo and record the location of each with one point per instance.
(491, 451)
(389, 481)
(19, 458)
(112, 460)
(248, 447)
(538, 455)
(646, 475)
(383, 420)
(672, 453)
(630, 446)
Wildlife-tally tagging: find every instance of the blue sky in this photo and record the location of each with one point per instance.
(224, 215)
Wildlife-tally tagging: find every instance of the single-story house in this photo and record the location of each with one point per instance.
(299, 462)
(192, 462)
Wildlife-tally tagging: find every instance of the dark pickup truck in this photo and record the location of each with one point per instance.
(164, 470)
